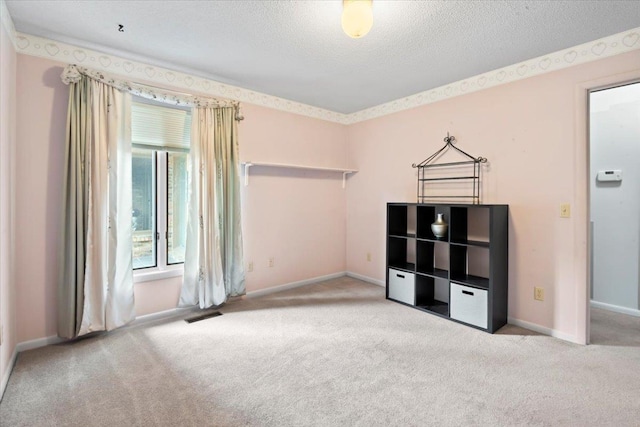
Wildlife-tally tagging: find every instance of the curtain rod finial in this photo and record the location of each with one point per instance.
(238, 116)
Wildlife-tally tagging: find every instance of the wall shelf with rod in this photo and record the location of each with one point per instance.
(249, 164)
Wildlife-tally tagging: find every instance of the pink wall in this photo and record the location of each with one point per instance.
(156, 296)
(295, 217)
(7, 151)
(41, 111)
(300, 218)
(527, 130)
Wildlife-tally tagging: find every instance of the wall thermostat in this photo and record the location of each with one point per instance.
(610, 175)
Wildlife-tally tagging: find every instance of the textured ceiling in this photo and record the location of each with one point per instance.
(297, 50)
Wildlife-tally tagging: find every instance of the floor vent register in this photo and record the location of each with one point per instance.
(202, 316)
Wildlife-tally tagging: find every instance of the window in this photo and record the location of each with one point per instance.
(160, 175)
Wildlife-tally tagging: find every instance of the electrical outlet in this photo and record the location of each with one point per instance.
(368, 256)
(271, 262)
(565, 210)
(538, 294)
(250, 267)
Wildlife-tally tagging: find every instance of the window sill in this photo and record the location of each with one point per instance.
(148, 276)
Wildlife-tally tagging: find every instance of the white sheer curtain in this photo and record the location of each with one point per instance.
(214, 265)
(96, 289)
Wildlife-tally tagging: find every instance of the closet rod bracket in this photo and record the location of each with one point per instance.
(246, 173)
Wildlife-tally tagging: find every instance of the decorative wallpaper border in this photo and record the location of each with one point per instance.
(136, 71)
(37, 46)
(586, 52)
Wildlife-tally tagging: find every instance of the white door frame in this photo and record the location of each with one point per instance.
(582, 240)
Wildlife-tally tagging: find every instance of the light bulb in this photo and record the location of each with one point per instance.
(357, 17)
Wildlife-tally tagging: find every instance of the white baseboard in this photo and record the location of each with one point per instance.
(366, 279)
(174, 312)
(160, 315)
(7, 373)
(543, 330)
(41, 342)
(615, 308)
(292, 285)
(54, 339)
(513, 321)
(37, 343)
(24, 346)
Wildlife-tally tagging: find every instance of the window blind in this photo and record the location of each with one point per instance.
(158, 127)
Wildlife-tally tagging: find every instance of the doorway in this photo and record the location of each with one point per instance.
(614, 207)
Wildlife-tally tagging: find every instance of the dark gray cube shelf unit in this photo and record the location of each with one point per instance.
(462, 276)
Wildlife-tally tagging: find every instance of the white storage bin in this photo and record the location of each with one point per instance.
(469, 305)
(402, 286)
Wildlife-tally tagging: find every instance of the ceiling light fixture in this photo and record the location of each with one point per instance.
(357, 17)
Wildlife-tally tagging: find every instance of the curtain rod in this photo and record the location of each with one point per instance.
(72, 74)
(168, 90)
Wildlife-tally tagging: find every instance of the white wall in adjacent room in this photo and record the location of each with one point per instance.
(615, 206)
(7, 172)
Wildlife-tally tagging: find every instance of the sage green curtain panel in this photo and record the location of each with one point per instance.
(214, 263)
(96, 287)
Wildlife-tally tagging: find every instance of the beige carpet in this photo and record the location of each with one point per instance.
(330, 354)
(609, 328)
